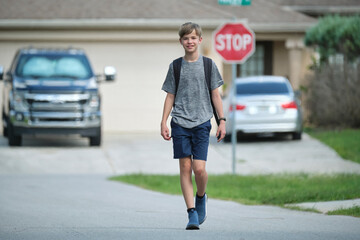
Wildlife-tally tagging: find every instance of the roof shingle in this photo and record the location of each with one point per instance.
(260, 11)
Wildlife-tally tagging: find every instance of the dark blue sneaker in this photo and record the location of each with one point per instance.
(193, 220)
(200, 205)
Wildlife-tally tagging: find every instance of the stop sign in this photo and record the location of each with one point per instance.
(235, 42)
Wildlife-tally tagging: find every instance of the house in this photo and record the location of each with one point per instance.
(139, 38)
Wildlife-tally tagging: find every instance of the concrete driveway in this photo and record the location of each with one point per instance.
(149, 153)
(57, 188)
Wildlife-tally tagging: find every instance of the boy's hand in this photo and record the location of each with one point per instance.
(165, 133)
(220, 134)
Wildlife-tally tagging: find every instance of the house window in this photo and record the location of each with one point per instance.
(260, 63)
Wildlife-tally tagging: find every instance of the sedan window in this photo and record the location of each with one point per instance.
(262, 88)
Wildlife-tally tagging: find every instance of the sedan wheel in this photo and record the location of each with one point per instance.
(296, 136)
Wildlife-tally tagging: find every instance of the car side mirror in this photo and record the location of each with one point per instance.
(110, 73)
(1, 72)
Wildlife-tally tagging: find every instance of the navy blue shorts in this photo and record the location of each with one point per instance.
(191, 141)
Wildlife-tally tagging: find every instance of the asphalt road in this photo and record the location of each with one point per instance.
(58, 189)
(90, 207)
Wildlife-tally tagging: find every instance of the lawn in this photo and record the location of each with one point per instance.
(354, 211)
(345, 142)
(261, 189)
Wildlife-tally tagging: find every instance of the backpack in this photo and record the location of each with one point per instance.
(207, 69)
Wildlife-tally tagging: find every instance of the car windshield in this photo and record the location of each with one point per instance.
(54, 66)
(266, 88)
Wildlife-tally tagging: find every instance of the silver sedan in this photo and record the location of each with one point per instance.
(263, 105)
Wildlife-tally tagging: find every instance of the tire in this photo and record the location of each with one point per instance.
(14, 140)
(296, 136)
(95, 141)
(227, 138)
(5, 129)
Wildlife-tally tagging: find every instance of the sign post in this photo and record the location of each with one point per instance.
(235, 43)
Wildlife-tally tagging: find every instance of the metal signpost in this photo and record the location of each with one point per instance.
(235, 43)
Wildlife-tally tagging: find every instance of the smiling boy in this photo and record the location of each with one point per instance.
(190, 103)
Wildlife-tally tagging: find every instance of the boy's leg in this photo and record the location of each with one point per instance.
(201, 179)
(186, 181)
(187, 189)
(201, 176)
(200, 147)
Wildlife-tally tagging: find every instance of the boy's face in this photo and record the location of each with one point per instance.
(190, 42)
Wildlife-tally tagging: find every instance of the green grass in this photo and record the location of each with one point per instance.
(262, 189)
(277, 189)
(345, 142)
(354, 211)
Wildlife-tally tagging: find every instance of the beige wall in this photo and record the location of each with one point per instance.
(280, 59)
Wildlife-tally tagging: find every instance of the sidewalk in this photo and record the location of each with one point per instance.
(325, 207)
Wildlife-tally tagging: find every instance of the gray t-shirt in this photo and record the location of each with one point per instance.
(192, 101)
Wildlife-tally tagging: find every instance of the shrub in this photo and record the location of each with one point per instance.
(333, 96)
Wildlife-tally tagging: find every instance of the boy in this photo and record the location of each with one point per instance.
(190, 125)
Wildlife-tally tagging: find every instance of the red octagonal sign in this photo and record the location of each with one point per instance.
(235, 42)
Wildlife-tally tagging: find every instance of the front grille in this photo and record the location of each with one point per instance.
(57, 107)
(33, 119)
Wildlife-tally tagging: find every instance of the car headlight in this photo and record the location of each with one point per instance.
(94, 101)
(92, 84)
(19, 84)
(19, 102)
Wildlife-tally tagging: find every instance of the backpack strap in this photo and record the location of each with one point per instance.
(207, 70)
(177, 68)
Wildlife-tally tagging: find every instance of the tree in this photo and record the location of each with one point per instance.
(336, 34)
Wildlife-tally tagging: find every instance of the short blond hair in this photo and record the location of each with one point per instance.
(188, 27)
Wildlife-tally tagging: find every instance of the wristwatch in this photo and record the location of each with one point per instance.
(222, 119)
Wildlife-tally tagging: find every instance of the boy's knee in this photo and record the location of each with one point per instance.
(199, 171)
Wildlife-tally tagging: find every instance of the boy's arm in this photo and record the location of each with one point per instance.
(216, 99)
(168, 104)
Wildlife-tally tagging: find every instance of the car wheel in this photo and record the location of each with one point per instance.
(296, 136)
(14, 140)
(227, 138)
(5, 124)
(96, 140)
